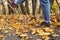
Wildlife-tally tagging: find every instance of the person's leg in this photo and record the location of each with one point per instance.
(21, 5)
(18, 1)
(45, 5)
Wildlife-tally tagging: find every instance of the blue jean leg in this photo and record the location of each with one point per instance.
(45, 5)
(18, 1)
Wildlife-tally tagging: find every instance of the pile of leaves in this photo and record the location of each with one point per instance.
(23, 26)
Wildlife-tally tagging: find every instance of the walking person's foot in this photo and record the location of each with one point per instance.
(43, 24)
(46, 24)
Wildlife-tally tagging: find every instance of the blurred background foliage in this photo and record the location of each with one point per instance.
(28, 6)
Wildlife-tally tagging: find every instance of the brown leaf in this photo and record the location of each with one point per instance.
(48, 29)
(57, 23)
(45, 38)
(32, 22)
(1, 36)
(53, 18)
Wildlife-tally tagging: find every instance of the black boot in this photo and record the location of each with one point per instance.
(46, 24)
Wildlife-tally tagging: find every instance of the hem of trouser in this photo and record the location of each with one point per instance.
(47, 21)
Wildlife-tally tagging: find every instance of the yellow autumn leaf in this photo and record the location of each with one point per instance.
(44, 33)
(18, 33)
(6, 31)
(40, 21)
(33, 31)
(40, 31)
(16, 26)
(1, 36)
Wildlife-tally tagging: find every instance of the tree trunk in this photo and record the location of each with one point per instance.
(5, 4)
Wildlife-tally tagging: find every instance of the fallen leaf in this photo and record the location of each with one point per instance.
(16, 26)
(18, 33)
(41, 32)
(1, 36)
(40, 21)
(34, 31)
(49, 29)
(23, 35)
(44, 33)
(57, 23)
(6, 31)
(45, 38)
(55, 35)
(32, 22)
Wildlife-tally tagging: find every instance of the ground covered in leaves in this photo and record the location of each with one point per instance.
(27, 27)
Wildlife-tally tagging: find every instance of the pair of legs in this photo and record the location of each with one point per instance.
(45, 5)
